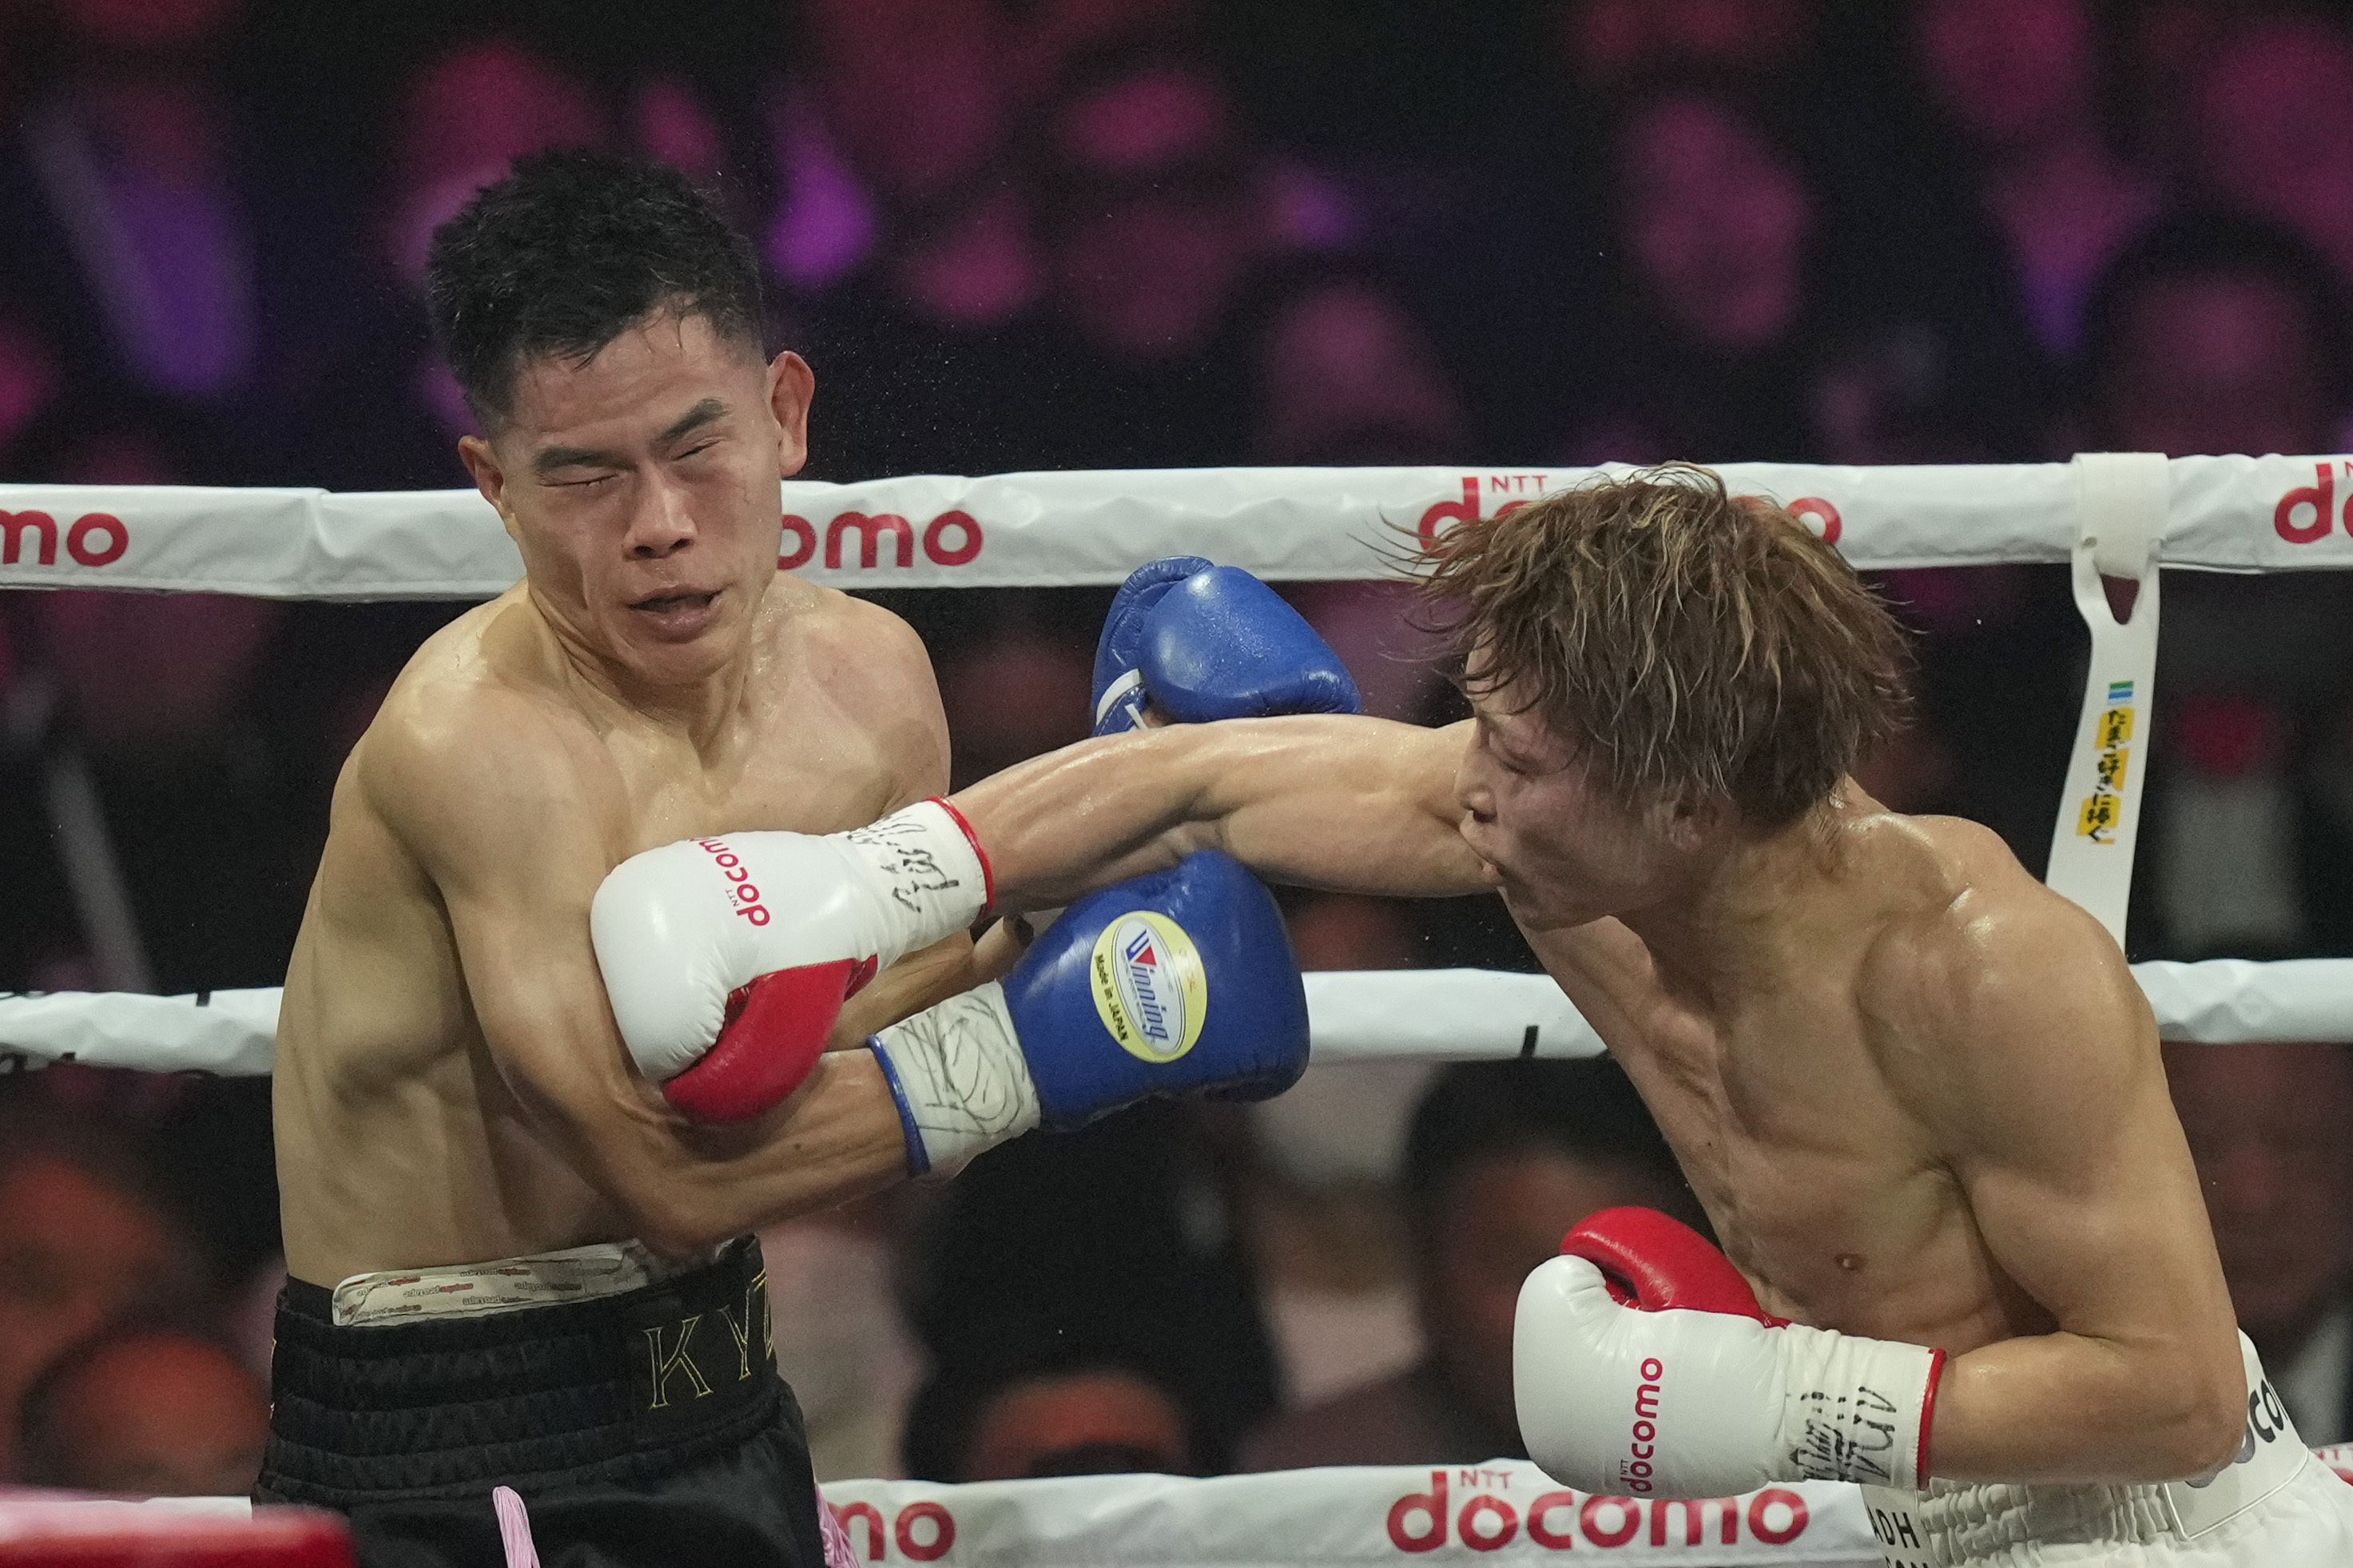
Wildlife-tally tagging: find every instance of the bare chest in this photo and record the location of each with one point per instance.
(1825, 1191)
(804, 765)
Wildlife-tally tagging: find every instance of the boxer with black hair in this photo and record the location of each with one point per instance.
(527, 1112)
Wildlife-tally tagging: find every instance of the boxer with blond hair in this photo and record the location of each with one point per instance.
(1919, 1095)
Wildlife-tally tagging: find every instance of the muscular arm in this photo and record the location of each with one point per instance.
(1348, 804)
(508, 834)
(2041, 1077)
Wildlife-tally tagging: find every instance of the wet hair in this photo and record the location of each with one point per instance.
(1585, 1110)
(1683, 639)
(569, 251)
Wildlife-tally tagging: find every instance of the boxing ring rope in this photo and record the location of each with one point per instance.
(2109, 516)
(1504, 1511)
(2118, 514)
(1354, 1015)
(2223, 514)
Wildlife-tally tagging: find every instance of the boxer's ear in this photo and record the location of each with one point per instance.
(791, 387)
(1691, 820)
(489, 475)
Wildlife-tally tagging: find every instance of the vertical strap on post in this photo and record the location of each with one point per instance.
(31, 727)
(2123, 502)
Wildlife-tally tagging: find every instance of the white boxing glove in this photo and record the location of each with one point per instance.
(1642, 1366)
(727, 960)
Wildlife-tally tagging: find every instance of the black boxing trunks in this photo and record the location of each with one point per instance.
(639, 1417)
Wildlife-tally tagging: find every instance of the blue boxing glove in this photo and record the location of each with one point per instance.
(1119, 651)
(1175, 981)
(1205, 642)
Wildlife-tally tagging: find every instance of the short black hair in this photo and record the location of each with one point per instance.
(570, 250)
(2207, 243)
(1585, 1108)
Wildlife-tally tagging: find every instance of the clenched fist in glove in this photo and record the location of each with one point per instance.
(1166, 983)
(1204, 642)
(1643, 1365)
(727, 960)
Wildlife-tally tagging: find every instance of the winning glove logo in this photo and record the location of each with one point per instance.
(1150, 990)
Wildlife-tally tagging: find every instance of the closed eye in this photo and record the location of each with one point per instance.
(1502, 758)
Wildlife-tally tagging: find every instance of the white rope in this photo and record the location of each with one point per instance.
(2222, 513)
(1377, 1015)
(1456, 1514)
(1506, 1511)
(2231, 514)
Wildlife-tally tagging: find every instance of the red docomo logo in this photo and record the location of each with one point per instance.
(94, 539)
(924, 1530)
(1421, 1521)
(1812, 511)
(1636, 1471)
(2307, 514)
(950, 539)
(742, 894)
(1820, 515)
(1526, 486)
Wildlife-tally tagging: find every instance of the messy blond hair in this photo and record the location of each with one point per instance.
(1682, 638)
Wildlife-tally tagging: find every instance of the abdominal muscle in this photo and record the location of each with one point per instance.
(1827, 1195)
(1837, 1216)
(1901, 1261)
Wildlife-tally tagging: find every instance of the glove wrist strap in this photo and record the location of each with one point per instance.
(959, 1079)
(1857, 1409)
(927, 872)
(1123, 696)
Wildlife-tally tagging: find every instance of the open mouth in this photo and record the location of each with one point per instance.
(668, 603)
(679, 615)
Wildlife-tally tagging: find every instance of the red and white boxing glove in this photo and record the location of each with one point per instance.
(1641, 1365)
(727, 960)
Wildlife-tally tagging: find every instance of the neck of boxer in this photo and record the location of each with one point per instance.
(1738, 916)
(702, 703)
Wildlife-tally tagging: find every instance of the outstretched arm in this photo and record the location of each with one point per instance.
(1349, 803)
(2043, 1081)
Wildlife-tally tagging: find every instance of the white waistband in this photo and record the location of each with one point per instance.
(1954, 1523)
(507, 1285)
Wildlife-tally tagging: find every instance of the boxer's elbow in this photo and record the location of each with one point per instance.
(659, 1184)
(2199, 1428)
(2212, 1441)
(678, 1222)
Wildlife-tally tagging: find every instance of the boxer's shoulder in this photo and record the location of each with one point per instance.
(853, 639)
(1993, 976)
(462, 751)
(858, 676)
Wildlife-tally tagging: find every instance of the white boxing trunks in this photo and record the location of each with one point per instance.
(2274, 1506)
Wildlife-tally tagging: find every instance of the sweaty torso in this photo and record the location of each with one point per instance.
(1790, 1098)
(399, 1145)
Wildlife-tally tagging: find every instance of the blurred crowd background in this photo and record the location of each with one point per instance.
(1516, 234)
